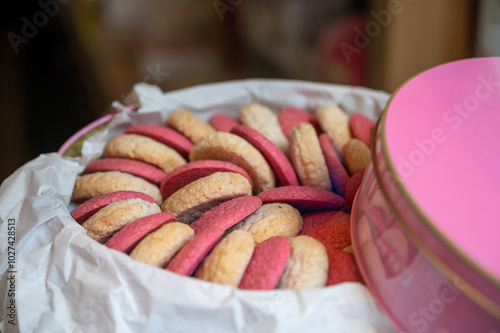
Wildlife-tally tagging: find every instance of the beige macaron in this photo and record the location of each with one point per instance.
(94, 184)
(228, 261)
(232, 148)
(272, 219)
(161, 245)
(335, 123)
(307, 157)
(356, 155)
(192, 200)
(111, 218)
(264, 120)
(188, 124)
(307, 266)
(144, 149)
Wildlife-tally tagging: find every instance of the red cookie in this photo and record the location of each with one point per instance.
(361, 127)
(84, 211)
(285, 174)
(226, 214)
(134, 167)
(304, 198)
(352, 186)
(192, 171)
(190, 256)
(223, 122)
(338, 174)
(268, 263)
(130, 235)
(289, 117)
(164, 135)
(342, 268)
(333, 229)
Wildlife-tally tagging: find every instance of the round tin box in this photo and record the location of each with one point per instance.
(426, 222)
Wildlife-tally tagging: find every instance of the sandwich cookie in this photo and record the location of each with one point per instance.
(264, 120)
(85, 210)
(222, 122)
(272, 219)
(130, 235)
(268, 263)
(338, 174)
(232, 148)
(307, 266)
(335, 123)
(160, 246)
(289, 117)
(227, 214)
(188, 203)
(304, 198)
(108, 220)
(164, 135)
(283, 170)
(134, 167)
(228, 261)
(94, 184)
(192, 254)
(192, 171)
(307, 157)
(189, 125)
(144, 149)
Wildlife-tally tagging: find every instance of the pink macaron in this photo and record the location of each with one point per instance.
(133, 167)
(361, 127)
(352, 186)
(222, 122)
(338, 174)
(289, 117)
(227, 214)
(130, 235)
(332, 229)
(304, 198)
(268, 263)
(282, 168)
(190, 256)
(164, 135)
(192, 171)
(84, 211)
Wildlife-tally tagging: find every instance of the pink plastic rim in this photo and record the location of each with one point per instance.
(83, 131)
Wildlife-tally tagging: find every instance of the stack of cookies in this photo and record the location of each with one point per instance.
(259, 202)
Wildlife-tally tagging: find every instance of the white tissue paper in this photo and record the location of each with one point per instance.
(56, 279)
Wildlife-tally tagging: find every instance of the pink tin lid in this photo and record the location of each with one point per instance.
(441, 130)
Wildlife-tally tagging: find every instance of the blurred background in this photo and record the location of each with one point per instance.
(63, 62)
